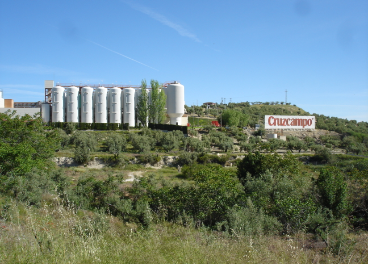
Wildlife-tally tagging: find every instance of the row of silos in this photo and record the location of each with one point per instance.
(114, 105)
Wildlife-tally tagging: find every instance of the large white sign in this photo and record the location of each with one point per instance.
(285, 122)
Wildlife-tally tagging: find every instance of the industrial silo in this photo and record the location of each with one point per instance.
(101, 105)
(57, 95)
(129, 111)
(87, 105)
(115, 105)
(175, 102)
(72, 113)
(45, 112)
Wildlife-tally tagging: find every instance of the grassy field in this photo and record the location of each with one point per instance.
(58, 234)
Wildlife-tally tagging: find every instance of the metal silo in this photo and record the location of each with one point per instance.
(72, 113)
(45, 112)
(129, 110)
(101, 105)
(175, 102)
(115, 105)
(57, 95)
(87, 105)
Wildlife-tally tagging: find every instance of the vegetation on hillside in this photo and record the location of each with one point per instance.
(216, 203)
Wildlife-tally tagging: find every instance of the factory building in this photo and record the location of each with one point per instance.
(21, 108)
(106, 103)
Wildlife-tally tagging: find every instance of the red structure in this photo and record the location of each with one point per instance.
(215, 123)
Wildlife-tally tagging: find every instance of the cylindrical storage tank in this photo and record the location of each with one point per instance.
(45, 112)
(72, 113)
(269, 136)
(101, 105)
(57, 97)
(87, 105)
(115, 105)
(175, 102)
(129, 111)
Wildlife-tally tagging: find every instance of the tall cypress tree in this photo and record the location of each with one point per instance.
(153, 117)
(143, 104)
(161, 113)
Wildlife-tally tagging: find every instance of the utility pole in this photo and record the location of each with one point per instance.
(285, 97)
(222, 112)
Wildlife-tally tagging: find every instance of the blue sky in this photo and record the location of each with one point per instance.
(238, 50)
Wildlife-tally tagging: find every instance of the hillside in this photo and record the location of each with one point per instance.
(222, 191)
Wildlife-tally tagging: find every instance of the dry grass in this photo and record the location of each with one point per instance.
(55, 234)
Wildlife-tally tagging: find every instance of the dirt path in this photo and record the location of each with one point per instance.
(133, 175)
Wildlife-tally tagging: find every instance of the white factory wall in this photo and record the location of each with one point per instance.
(1, 100)
(22, 111)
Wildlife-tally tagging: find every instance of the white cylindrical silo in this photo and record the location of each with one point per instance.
(45, 112)
(101, 105)
(175, 102)
(129, 110)
(115, 105)
(57, 96)
(72, 103)
(87, 105)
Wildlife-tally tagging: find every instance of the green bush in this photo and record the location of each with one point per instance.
(332, 190)
(149, 158)
(85, 143)
(257, 164)
(250, 221)
(186, 158)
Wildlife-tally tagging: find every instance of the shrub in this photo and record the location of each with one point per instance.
(257, 164)
(250, 221)
(149, 158)
(332, 190)
(186, 158)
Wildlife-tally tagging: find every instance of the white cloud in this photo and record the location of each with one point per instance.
(181, 30)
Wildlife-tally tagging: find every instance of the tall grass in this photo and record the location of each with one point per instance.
(63, 234)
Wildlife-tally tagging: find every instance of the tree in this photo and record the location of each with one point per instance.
(226, 144)
(234, 118)
(143, 104)
(85, 143)
(25, 143)
(198, 110)
(116, 143)
(161, 113)
(158, 101)
(142, 143)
